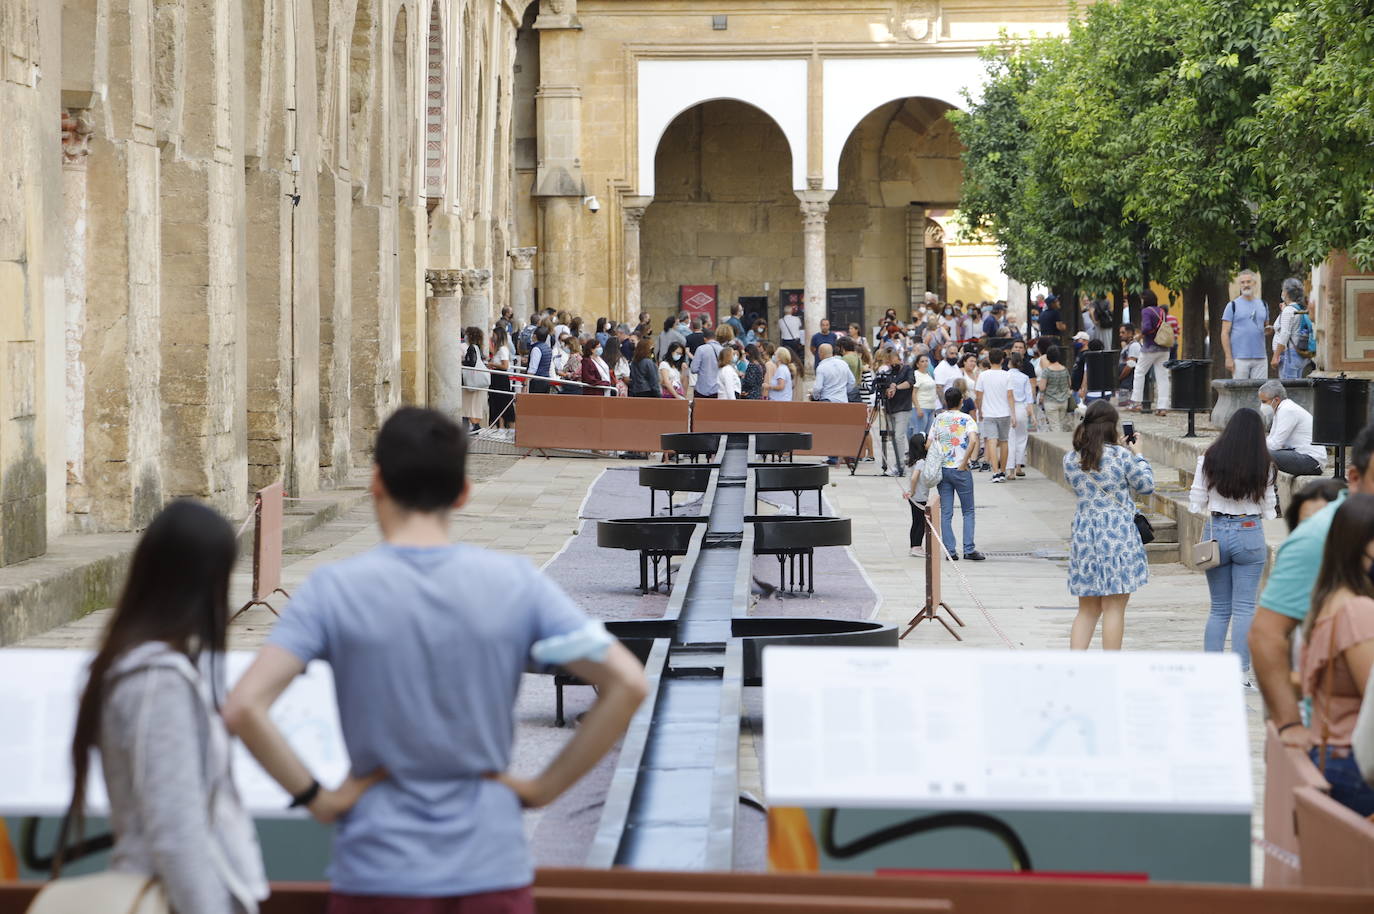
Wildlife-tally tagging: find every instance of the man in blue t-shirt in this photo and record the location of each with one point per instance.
(1287, 598)
(427, 640)
(825, 337)
(1243, 325)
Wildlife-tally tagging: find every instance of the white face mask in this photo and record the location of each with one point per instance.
(596, 351)
(1266, 411)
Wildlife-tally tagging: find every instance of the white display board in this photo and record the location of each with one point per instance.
(875, 728)
(39, 690)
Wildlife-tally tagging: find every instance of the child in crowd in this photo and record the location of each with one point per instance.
(918, 496)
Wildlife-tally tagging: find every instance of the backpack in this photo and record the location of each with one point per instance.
(1102, 316)
(1304, 335)
(525, 341)
(1164, 333)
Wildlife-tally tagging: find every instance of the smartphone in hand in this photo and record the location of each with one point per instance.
(1128, 430)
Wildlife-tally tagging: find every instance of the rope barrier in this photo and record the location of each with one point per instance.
(252, 516)
(992, 622)
(1273, 850)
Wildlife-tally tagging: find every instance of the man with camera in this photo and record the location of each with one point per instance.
(892, 386)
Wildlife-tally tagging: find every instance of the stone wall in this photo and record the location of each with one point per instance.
(724, 211)
(586, 143)
(215, 227)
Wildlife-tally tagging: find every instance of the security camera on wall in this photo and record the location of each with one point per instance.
(592, 204)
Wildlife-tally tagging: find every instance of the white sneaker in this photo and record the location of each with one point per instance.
(1248, 683)
(998, 477)
(917, 552)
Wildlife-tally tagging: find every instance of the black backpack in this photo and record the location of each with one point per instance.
(1102, 315)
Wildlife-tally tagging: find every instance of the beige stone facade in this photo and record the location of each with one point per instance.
(761, 146)
(216, 218)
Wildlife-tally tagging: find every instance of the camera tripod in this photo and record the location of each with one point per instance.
(885, 440)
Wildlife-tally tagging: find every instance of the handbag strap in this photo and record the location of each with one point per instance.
(1328, 684)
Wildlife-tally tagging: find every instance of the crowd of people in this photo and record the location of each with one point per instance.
(437, 817)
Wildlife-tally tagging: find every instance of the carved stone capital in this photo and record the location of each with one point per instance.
(632, 210)
(523, 258)
(76, 136)
(815, 204)
(475, 282)
(444, 282)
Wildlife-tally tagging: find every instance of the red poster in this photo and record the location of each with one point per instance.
(699, 301)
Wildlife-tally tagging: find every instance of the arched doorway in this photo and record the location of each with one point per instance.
(900, 167)
(724, 213)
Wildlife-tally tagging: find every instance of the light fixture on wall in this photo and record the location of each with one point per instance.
(592, 203)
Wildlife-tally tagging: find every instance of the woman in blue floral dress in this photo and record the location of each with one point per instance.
(1106, 557)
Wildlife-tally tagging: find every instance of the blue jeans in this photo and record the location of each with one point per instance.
(1291, 364)
(921, 425)
(1234, 583)
(952, 481)
(1347, 785)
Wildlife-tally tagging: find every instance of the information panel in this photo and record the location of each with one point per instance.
(39, 690)
(1054, 730)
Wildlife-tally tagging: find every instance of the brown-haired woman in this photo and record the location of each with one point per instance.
(643, 371)
(596, 374)
(150, 707)
(475, 379)
(1338, 651)
(1107, 561)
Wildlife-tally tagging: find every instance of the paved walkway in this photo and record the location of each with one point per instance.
(530, 506)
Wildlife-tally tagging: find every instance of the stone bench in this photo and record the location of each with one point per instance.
(1232, 395)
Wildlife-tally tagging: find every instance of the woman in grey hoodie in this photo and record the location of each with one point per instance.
(150, 707)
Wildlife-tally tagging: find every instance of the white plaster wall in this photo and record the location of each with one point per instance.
(669, 87)
(854, 87)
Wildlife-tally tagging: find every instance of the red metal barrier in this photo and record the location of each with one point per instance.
(596, 423)
(837, 429)
(268, 521)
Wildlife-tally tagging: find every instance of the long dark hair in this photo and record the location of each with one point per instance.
(1327, 490)
(1094, 433)
(177, 592)
(1238, 464)
(1343, 557)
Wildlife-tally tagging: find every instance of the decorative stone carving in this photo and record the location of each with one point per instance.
(915, 20)
(475, 282)
(444, 283)
(634, 216)
(523, 258)
(813, 215)
(76, 136)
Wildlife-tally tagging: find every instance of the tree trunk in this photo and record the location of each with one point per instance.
(1194, 319)
(1214, 281)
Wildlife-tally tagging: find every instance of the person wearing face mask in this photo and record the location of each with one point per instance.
(596, 374)
(947, 369)
(1290, 432)
(1288, 597)
(672, 373)
(1338, 650)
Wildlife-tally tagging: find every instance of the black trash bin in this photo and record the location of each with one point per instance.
(1340, 408)
(1190, 382)
(1102, 369)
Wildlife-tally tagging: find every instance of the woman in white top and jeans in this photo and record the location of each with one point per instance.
(1234, 489)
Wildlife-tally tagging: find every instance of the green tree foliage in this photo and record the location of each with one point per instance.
(1314, 133)
(1203, 127)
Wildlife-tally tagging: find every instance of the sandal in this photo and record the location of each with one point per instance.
(1161, 412)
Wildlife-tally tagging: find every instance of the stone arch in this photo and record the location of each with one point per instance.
(724, 208)
(855, 87)
(401, 96)
(901, 161)
(668, 88)
(436, 113)
(363, 156)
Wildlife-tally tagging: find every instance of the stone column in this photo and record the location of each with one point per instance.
(76, 132)
(476, 305)
(522, 283)
(443, 326)
(633, 212)
(814, 204)
(916, 256)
